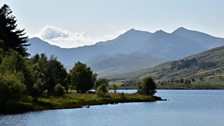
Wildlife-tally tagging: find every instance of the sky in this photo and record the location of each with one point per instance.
(73, 23)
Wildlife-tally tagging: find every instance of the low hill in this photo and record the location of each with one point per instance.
(206, 64)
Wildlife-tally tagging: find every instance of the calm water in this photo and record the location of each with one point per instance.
(184, 108)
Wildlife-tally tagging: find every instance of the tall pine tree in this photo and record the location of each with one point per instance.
(10, 36)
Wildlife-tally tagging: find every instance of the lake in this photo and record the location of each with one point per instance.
(183, 108)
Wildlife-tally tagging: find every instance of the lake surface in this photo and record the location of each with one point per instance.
(183, 108)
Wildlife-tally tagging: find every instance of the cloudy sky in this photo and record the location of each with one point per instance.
(72, 23)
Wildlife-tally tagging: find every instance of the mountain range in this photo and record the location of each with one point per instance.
(131, 51)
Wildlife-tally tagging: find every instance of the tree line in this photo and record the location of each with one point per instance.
(35, 76)
(40, 75)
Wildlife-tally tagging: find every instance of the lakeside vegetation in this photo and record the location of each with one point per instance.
(40, 83)
(75, 100)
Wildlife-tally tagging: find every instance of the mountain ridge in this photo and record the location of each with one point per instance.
(159, 45)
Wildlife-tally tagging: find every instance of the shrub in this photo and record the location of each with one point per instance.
(115, 88)
(11, 87)
(36, 90)
(122, 96)
(59, 90)
(101, 91)
(101, 81)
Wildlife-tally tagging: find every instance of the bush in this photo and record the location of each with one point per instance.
(59, 90)
(122, 96)
(115, 88)
(101, 81)
(36, 90)
(101, 90)
(11, 87)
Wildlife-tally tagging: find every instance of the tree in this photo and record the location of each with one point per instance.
(101, 81)
(102, 90)
(56, 74)
(14, 62)
(148, 86)
(48, 73)
(181, 80)
(82, 77)
(37, 89)
(11, 87)
(12, 38)
(59, 90)
(101, 87)
(115, 88)
(38, 67)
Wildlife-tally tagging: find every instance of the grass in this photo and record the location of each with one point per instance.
(75, 100)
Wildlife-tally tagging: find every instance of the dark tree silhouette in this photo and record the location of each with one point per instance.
(11, 37)
(148, 86)
(82, 77)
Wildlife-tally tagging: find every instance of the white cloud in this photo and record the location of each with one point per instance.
(52, 32)
(66, 39)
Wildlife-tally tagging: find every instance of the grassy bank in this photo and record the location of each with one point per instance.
(75, 100)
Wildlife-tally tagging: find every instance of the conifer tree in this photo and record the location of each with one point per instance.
(10, 36)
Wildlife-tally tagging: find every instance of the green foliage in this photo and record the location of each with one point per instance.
(82, 77)
(11, 87)
(115, 88)
(37, 89)
(48, 73)
(101, 81)
(59, 90)
(102, 90)
(101, 87)
(11, 36)
(56, 74)
(14, 62)
(148, 86)
(122, 95)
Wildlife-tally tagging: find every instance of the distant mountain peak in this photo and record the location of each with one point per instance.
(133, 31)
(160, 31)
(180, 30)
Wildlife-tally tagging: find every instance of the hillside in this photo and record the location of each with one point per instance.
(131, 51)
(206, 64)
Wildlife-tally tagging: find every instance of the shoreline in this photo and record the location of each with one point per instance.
(73, 103)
